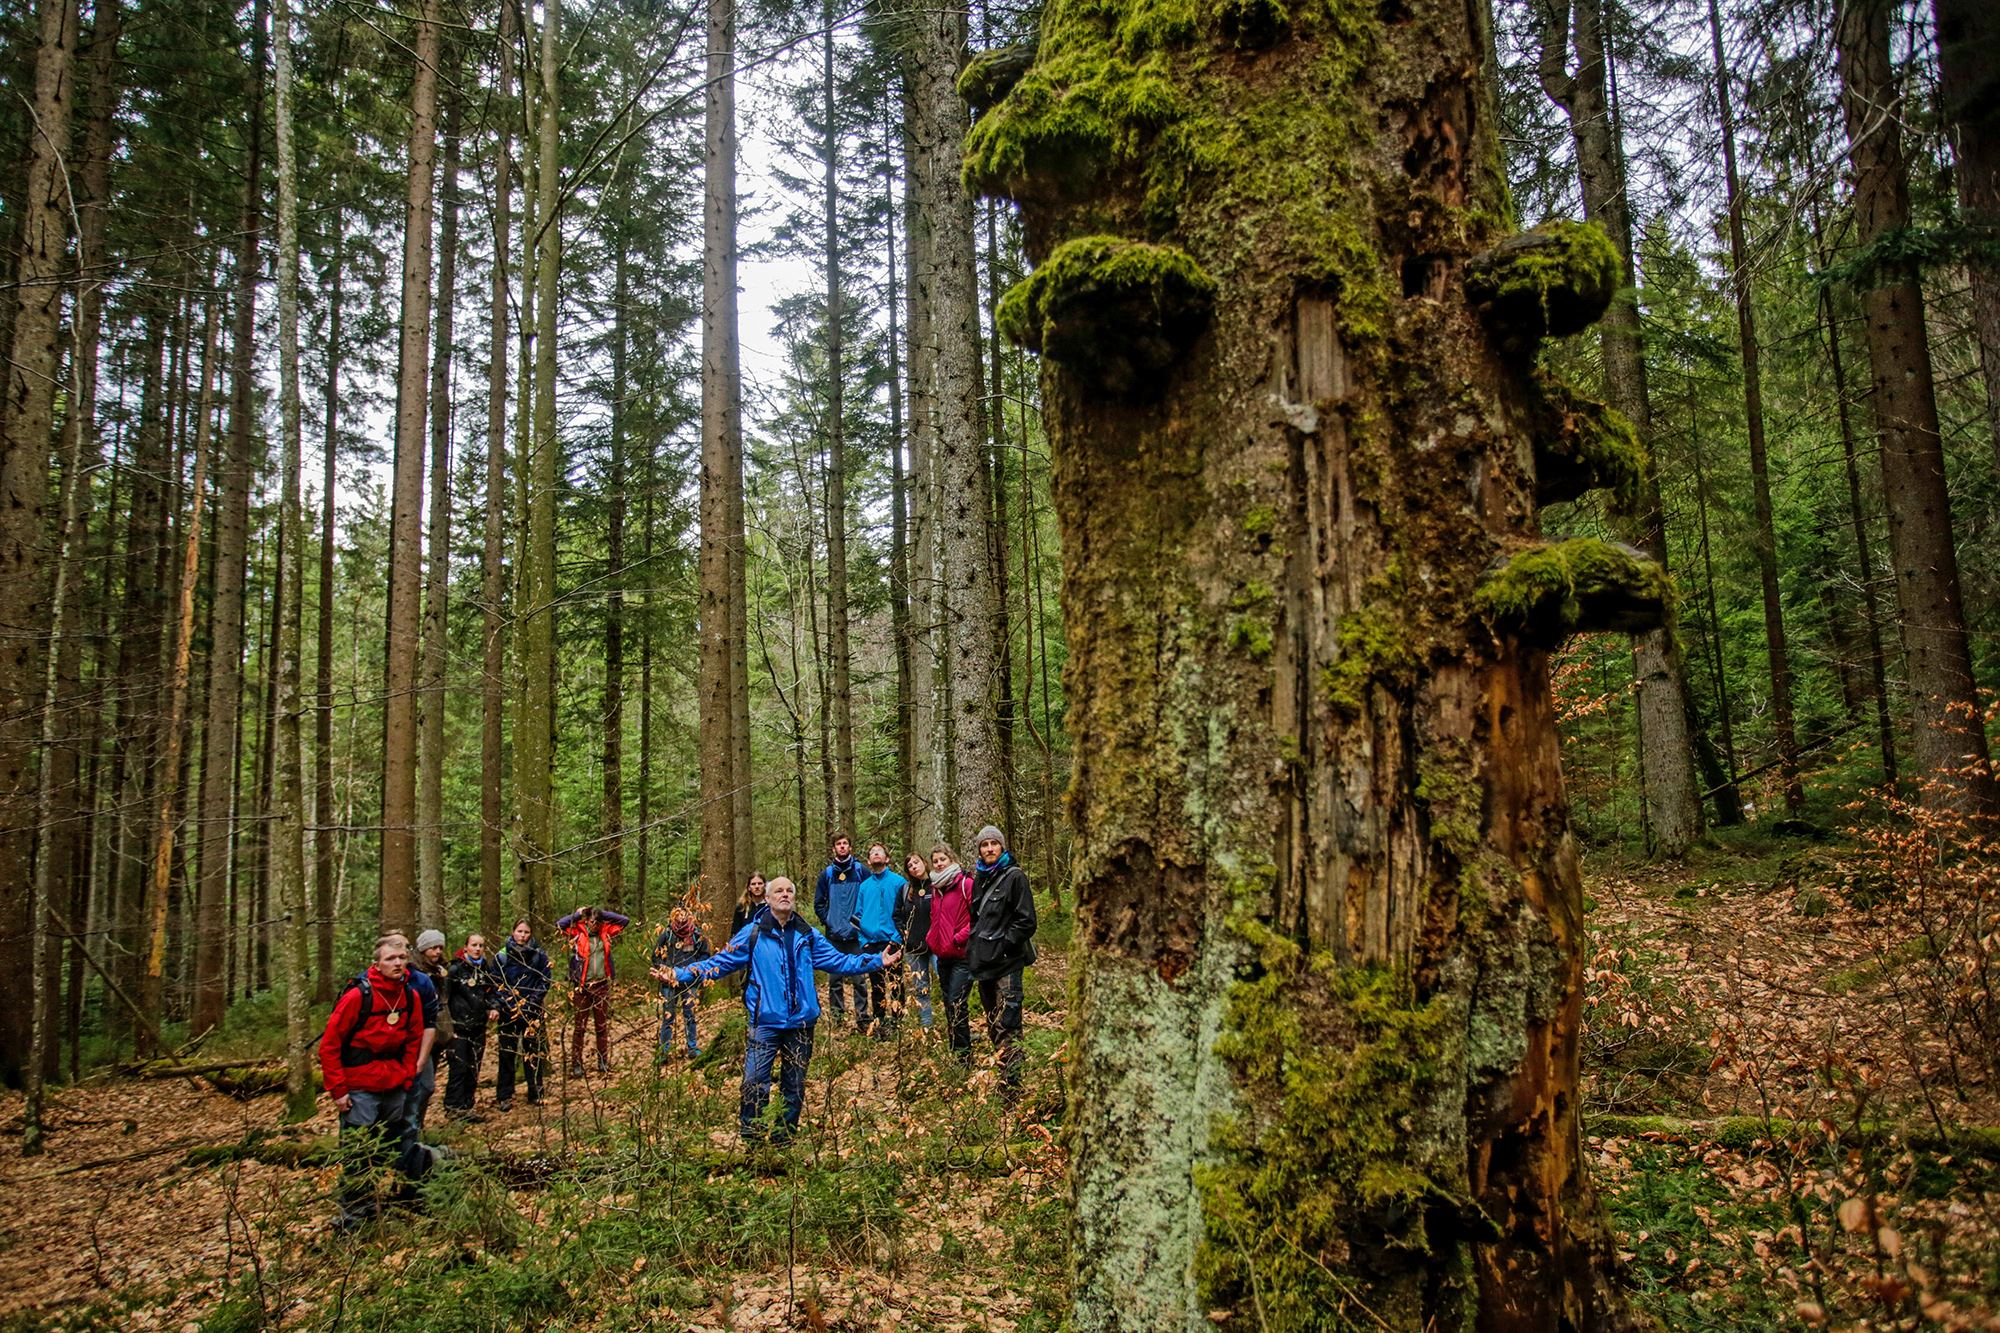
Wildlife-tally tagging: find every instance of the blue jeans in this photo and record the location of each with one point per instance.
(670, 1000)
(369, 1129)
(955, 985)
(836, 1000)
(794, 1046)
(919, 965)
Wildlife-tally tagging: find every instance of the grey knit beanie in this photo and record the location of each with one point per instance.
(990, 834)
(430, 939)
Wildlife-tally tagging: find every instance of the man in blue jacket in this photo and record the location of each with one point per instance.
(781, 951)
(875, 909)
(836, 899)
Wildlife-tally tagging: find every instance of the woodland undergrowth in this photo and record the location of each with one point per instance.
(1791, 1103)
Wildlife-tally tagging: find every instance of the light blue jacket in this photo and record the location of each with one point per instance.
(781, 959)
(875, 903)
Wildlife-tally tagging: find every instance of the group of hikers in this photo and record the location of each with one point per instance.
(884, 936)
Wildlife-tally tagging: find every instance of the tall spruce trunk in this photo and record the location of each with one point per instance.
(27, 425)
(1764, 529)
(534, 746)
(1968, 38)
(841, 704)
(493, 569)
(719, 428)
(1673, 803)
(1328, 974)
(171, 812)
(288, 830)
(614, 597)
(406, 497)
(326, 837)
(899, 542)
(1949, 744)
(963, 505)
(226, 606)
(920, 274)
(437, 523)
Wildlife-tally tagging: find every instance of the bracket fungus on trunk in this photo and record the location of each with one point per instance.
(1112, 312)
(1547, 593)
(989, 76)
(1548, 283)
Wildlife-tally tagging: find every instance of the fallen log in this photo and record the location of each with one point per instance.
(1749, 1133)
(168, 1069)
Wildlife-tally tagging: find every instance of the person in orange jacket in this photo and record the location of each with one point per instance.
(368, 1060)
(591, 931)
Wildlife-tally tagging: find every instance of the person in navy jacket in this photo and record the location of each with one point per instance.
(836, 900)
(781, 951)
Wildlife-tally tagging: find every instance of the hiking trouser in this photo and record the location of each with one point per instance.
(955, 982)
(463, 1058)
(1001, 999)
(793, 1047)
(592, 1001)
(683, 1002)
(520, 1043)
(369, 1129)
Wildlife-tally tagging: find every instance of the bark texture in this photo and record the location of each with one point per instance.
(1947, 747)
(399, 681)
(1329, 980)
(1968, 36)
(26, 437)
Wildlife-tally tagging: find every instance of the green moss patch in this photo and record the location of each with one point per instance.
(1548, 593)
(1581, 445)
(1314, 1198)
(1373, 646)
(1115, 313)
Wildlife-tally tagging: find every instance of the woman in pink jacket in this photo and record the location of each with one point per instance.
(950, 934)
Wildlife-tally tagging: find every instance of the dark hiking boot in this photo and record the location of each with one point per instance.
(576, 1070)
(603, 1065)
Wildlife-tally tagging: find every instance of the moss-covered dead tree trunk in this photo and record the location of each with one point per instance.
(1329, 979)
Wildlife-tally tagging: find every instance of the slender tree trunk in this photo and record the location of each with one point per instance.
(437, 575)
(645, 840)
(966, 618)
(77, 798)
(1950, 742)
(170, 769)
(1673, 808)
(614, 599)
(267, 763)
(399, 677)
(289, 825)
(1968, 36)
(997, 539)
(326, 838)
(1764, 532)
(842, 700)
(534, 745)
(141, 634)
(899, 546)
(27, 425)
(918, 192)
(720, 444)
(1864, 553)
(1330, 1079)
(493, 570)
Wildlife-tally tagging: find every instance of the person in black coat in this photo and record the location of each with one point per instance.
(913, 919)
(1003, 943)
(472, 993)
(524, 991)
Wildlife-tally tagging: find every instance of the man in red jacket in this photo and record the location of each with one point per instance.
(368, 1057)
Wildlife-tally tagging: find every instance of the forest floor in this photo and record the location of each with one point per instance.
(1784, 1116)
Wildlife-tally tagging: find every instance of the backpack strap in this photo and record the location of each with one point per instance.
(367, 1011)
